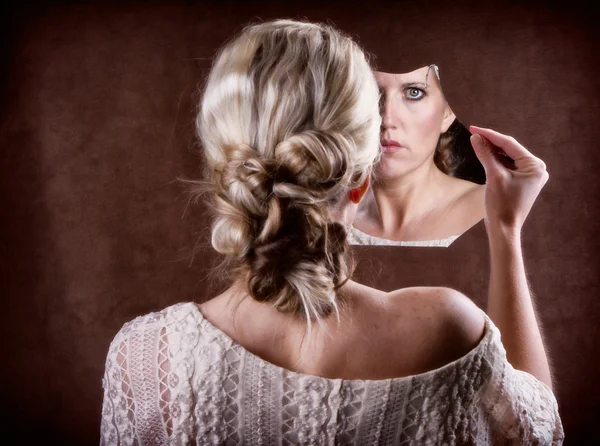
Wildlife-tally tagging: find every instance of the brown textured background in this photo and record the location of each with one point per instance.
(97, 104)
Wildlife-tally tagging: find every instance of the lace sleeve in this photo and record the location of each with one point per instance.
(135, 409)
(521, 409)
(117, 426)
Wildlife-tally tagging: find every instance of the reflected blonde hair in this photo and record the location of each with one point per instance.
(289, 123)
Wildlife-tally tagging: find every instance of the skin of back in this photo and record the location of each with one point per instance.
(382, 334)
(415, 330)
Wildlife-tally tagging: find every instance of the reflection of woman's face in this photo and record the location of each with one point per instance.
(414, 115)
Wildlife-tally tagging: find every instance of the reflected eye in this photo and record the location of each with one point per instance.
(414, 94)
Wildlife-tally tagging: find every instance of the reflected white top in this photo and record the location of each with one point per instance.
(356, 237)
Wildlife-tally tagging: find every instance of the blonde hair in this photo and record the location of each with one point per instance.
(289, 123)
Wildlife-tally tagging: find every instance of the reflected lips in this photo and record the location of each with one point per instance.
(390, 146)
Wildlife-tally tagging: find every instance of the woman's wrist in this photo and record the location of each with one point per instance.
(504, 234)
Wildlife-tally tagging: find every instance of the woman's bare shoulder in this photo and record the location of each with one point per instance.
(474, 193)
(466, 204)
(446, 315)
(426, 301)
(463, 189)
(408, 331)
(437, 299)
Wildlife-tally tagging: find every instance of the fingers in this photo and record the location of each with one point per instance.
(507, 143)
(524, 161)
(485, 153)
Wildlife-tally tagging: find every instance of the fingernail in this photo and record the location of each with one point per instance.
(477, 140)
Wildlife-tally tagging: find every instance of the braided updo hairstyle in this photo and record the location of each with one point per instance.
(289, 123)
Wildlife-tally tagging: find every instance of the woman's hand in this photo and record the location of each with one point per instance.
(511, 189)
(511, 186)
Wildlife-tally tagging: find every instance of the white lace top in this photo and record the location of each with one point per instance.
(173, 378)
(357, 237)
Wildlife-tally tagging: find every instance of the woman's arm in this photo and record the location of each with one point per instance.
(511, 190)
(118, 424)
(511, 308)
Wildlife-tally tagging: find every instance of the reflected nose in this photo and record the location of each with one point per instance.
(388, 119)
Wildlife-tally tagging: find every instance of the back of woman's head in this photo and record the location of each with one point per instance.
(289, 123)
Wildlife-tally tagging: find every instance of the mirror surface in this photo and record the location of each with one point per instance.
(427, 188)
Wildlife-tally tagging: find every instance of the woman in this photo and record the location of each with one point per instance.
(294, 352)
(414, 197)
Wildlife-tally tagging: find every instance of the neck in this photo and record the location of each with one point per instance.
(248, 316)
(406, 201)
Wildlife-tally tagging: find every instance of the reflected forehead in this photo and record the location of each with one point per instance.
(417, 75)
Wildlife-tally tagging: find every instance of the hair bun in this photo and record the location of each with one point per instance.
(291, 245)
(317, 159)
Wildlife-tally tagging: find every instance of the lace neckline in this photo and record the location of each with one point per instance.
(481, 347)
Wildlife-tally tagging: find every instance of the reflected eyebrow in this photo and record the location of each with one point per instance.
(414, 84)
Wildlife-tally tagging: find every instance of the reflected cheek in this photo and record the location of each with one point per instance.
(426, 130)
